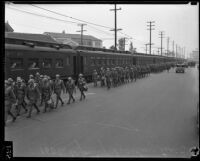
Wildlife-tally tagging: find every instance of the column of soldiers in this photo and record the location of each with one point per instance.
(115, 76)
(39, 89)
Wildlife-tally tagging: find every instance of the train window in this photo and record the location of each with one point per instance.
(16, 63)
(68, 60)
(85, 60)
(102, 61)
(59, 63)
(108, 61)
(33, 63)
(47, 63)
(92, 61)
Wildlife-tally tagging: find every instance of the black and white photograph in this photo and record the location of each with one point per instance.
(108, 80)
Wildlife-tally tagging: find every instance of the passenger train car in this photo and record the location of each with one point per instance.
(25, 57)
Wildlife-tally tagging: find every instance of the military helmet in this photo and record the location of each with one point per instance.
(69, 78)
(31, 81)
(41, 76)
(30, 76)
(45, 79)
(38, 74)
(6, 82)
(80, 75)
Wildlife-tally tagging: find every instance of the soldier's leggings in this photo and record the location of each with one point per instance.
(18, 107)
(8, 112)
(31, 108)
(82, 94)
(71, 97)
(57, 99)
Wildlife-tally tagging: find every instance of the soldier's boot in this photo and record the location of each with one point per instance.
(18, 109)
(36, 107)
(69, 100)
(30, 111)
(12, 115)
(24, 107)
(45, 107)
(62, 103)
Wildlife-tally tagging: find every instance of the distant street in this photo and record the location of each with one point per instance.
(155, 116)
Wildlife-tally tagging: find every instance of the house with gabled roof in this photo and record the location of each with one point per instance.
(75, 39)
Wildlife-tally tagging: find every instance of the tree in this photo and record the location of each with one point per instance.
(131, 47)
(121, 44)
(112, 47)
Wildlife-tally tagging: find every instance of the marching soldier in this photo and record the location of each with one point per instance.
(9, 99)
(95, 77)
(20, 92)
(81, 85)
(46, 92)
(11, 83)
(131, 74)
(32, 94)
(58, 88)
(102, 76)
(108, 79)
(70, 85)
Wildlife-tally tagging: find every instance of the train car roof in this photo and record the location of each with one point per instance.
(37, 48)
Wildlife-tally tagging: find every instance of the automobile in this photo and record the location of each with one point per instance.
(185, 65)
(180, 68)
(198, 115)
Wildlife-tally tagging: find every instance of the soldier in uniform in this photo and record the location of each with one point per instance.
(9, 99)
(81, 85)
(108, 79)
(58, 88)
(40, 84)
(31, 76)
(11, 83)
(102, 75)
(131, 74)
(46, 92)
(32, 94)
(95, 77)
(20, 92)
(70, 85)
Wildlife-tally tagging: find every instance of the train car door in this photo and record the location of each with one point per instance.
(81, 64)
(75, 65)
(134, 61)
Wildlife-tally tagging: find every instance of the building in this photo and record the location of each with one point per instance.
(29, 36)
(8, 28)
(75, 39)
(194, 55)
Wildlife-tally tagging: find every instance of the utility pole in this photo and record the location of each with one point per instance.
(167, 46)
(161, 34)
(81, 32)
(146, 47)
(158, 51)
(115, 24)
(176, 50)
(173, 48)
(150, 25)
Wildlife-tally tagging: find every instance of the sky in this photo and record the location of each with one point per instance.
(179, 22)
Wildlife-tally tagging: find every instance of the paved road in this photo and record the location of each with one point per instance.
(153, 117)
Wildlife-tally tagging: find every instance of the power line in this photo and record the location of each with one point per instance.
(76, 18)
(81, 32)
(42, 15)
(161, 36)
(70, 17)
(150, 25)
(115, 29)
(55, 19)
